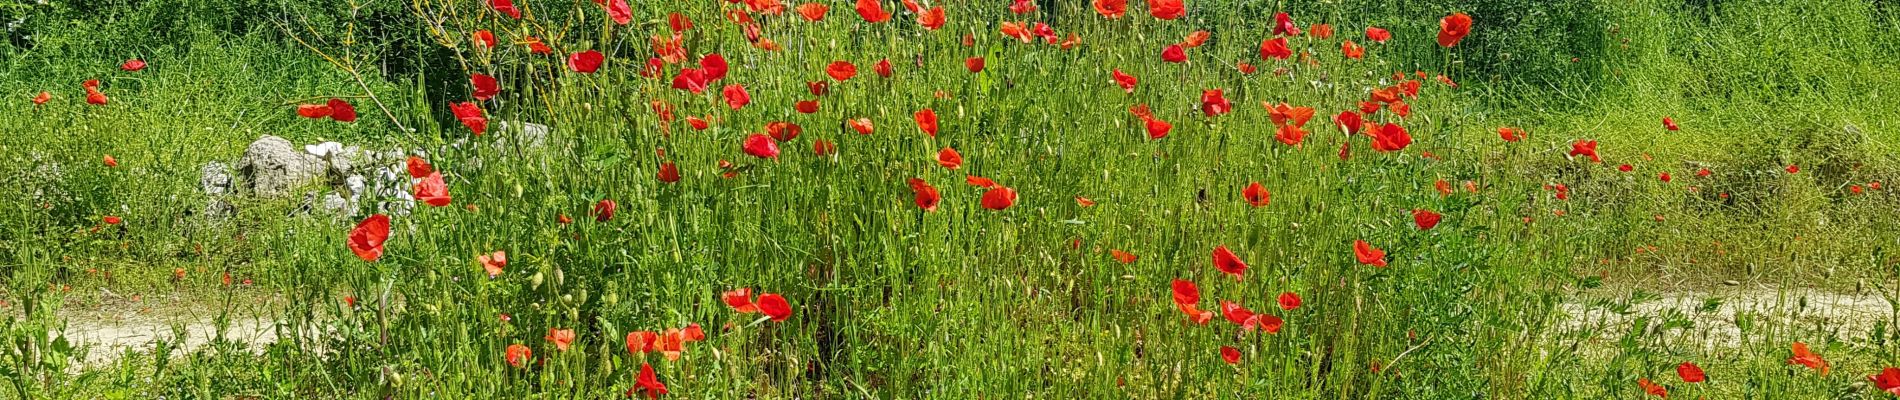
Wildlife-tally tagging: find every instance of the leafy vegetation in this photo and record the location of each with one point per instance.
(1519, 245)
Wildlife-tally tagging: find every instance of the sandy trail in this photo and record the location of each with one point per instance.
(111, 330)
(1716, 316)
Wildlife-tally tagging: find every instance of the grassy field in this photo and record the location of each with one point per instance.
(1520, 241)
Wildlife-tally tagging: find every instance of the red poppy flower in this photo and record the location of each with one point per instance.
(1256, 195)
(1690, 372)
(505, 7)
(342, 111)
(1174, 54)
(1227, 262)
(1126, 81)
(712, 67)
(642, 342)
(783, 131)
(1794, 169)
(1289, 301)
(493, 263)
(692, 80)
(775, 306)
(537, 47)
(1390, 138)
(1022, 6)
(1401, 109)
(872, 11)
(649, 382)
(132, 65)
(1283, 25)
(841, 70)
(1195, 39)
(604, 210)
(862, 125)
(1214, 103)
(1185, 292)
(812, 11)
(1112, 9)
(1166, 9)
(418, 167)
(1230, 354)
(1275, 49)
(949, 158)
(679, 22)
(669, 173)
(1014, 30)
(1352, 50)
(1367, 254)
(1807, 358)
(42, 98)
(932, 19)
(999, 198)
(736, 96)
(1670, 124)
(484, 38)
(368, 237)
(1586, 148)
(698, 124)
(1652, 388)
(927, 196)
(471, 116)
(1237, 314)
(314, 111)
(1122, 256)
(111, 162)
(1887, 381)
(883, 68)
(1664, 176)
(517, 355)
(1425, 219)
(1348, 121)
(974, 64)
(1156, 127)
(1369, 107)
(485, 86)
(432, 190)
(760, 145)
(806, 106)
(1510, 134)
(1377, 34)
(562, 338)
(927, 121)
(1453, 29)
(1245, 68)
(1270, 323)
(1085, 202)
(740, 300)
(1286, 114)
(112, 220)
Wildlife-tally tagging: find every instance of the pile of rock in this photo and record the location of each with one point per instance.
(348, 181)
(344, 178)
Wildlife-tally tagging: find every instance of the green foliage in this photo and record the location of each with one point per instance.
(895, 302)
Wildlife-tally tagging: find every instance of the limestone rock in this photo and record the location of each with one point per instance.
(273, 167)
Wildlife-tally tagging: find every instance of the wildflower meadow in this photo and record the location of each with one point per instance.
(916, 199)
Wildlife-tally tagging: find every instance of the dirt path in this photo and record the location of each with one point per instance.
(1715, 317)
(112, 328)
(115, 325)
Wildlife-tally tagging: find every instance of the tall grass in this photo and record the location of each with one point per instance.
(894, 302)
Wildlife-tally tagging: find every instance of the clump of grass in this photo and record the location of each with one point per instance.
(893, 301)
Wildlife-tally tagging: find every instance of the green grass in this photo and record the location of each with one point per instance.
(895, 302)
